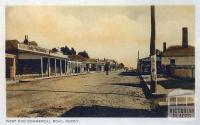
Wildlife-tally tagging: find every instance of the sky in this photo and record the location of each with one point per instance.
(114, 32)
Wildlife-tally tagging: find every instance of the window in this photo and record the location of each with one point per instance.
(172, 62)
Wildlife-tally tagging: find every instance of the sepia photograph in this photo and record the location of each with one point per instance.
(100, 61)
(65, 63)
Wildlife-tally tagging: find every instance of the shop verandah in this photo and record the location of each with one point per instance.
(45, 66)
(30, 61)
(36, 65)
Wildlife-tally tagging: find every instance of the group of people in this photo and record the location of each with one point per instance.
(107, 68)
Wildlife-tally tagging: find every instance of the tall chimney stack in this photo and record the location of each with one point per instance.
(152, 40)
(184, 37)
(26, 40)
(164, 46)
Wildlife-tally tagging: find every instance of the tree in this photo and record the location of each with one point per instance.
(65, 50)
(121, 65)
(55, 50)
(73, 51)
(84, 54)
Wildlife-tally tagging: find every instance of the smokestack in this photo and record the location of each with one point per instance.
(184, 37)
(152, 42)
(164, 46)
(26, 39)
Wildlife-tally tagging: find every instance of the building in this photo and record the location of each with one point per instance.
(10, 66)
(33, 61)
(91, 65)
(100, 65)
(79, 63)
(144, 64)
(112, 63)
(179, 60)
(26, 59)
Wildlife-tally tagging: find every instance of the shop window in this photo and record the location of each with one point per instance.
(172, 62)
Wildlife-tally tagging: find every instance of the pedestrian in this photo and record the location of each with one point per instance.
(106, 67)
(126, 69)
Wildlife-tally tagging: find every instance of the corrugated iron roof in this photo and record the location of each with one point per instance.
(179, 51)
(77, 58)
(91, 60)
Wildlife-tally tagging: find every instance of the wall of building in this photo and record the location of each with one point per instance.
(34, 61)
(185, 73)
(189, 60)
(10, 68)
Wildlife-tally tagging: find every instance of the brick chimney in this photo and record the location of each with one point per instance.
(164, 46)
(184, 37)
(26, 40)
(153, 32)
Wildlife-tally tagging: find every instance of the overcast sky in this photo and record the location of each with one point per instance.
(115, 32)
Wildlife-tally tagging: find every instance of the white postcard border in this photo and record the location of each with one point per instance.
(101, 121)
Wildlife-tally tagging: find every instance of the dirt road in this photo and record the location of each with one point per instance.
(96, 94)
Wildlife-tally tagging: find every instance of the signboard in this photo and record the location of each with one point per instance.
(153, 68)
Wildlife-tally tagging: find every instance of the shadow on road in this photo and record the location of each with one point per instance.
(142, 84)
(129, 73)
(173, 84)
(104, 111)
(139, 85)
(77, 92)
(128, 84)
(145, 88)
(176, 83)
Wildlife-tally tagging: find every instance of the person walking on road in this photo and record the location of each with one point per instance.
(107, 68)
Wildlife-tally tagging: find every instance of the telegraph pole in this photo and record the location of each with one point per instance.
(153, 52)
(138, 63)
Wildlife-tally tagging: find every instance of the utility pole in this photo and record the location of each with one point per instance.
(153, 52)
(138, 63)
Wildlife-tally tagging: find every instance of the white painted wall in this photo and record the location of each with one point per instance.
(189, 60)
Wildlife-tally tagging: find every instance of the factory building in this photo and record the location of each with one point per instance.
(179, 60)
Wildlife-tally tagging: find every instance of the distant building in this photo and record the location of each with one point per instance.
(79, 63)
(179, 60)
(113, 65)
(91, 64)
(100, 65)
(144, 64)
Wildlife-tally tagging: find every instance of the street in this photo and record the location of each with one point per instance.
(92, 95)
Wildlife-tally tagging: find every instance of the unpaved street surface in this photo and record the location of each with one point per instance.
(95, 94)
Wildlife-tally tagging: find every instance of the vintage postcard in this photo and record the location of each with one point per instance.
(99, 61)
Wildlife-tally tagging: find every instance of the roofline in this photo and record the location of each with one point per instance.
(180, 56)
